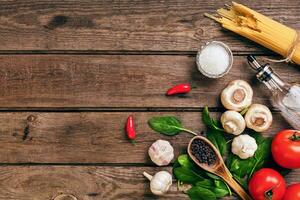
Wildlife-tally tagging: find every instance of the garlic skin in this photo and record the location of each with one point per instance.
(244, 146)
(237, 95)
(258, 117)
(160, 182)
(233, 122)
(161, 152)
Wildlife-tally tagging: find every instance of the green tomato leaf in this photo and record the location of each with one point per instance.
(186, 175)
(167, 125)
(200, 193)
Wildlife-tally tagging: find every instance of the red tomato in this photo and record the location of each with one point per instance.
(292, 192)
(286, 149)
(267, 184)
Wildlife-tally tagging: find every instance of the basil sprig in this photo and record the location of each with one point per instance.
(214, 133)
(168, 125)
(205, 185)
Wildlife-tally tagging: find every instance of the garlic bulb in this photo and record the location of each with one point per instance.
(233, 122)
(160, 182)
(237, 95)
(161, 152)
(244, 146)
(258, 117)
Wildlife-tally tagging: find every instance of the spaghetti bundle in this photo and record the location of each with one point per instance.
(261, 29)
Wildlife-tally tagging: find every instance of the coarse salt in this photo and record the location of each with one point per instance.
(214, 60)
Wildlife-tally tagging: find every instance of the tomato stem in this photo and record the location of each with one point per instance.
(269, 194)
(295, 136)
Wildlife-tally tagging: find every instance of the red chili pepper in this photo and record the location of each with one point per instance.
(130, 128)
(179, 89)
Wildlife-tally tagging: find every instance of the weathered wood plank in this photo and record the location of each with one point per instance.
(85, 182)
(89, 137)
(117, 81)
(125, 25)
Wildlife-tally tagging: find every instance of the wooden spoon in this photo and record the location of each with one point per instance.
(218, 168)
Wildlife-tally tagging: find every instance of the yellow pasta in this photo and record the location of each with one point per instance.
(261, 29)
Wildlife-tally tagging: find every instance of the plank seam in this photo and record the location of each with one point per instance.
(125, 52)
(115, 109)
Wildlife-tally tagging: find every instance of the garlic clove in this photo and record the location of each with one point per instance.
(233, 122)
(237, 95)
(161, 152)
(258, 117)
(160, 182)
(244, 146)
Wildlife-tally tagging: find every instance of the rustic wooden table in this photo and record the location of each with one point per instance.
(71, 71)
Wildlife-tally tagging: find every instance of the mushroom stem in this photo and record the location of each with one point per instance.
(148, 176)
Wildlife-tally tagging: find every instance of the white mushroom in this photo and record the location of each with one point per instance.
(237, 95)
(258, 117)
(161, 152)
(244, 146)
(233, 122)
(160, 182)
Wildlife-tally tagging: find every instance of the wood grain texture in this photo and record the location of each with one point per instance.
(126, 25)
(118, 81)
(85, 183)
(90, 137)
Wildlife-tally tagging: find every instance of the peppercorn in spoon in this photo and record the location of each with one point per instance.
(207, 157)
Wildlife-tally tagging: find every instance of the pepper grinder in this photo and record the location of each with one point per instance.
(285, 96)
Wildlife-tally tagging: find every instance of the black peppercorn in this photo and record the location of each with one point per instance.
(203, 152)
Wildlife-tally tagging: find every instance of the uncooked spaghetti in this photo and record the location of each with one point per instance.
(261, 29)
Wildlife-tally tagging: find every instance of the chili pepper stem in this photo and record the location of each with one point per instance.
(133, 142)
(189, 131)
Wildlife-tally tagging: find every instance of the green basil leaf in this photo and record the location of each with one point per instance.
(210, 175)
(218, 187)
(206, 183)
(246, 167)
(221, 189)
(187, 175)
(206, 117)
(241, 181)
(220, 192)
(200, 193)
(263, 153)
(185, 161)
(167, 125)
(218, 139)
(239, 166)
(210, 122)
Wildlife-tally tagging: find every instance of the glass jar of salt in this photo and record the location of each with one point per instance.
(285, 97)
(214, 60)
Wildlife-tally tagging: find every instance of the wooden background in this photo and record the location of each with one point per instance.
(71, 71)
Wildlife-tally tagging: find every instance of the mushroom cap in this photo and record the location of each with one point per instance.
(237, 95)
(258, 117)
(161, 152)
(233, 122)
